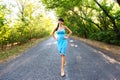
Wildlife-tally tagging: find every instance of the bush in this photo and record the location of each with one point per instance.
(93, 36)
(105, 36)
(116, 42)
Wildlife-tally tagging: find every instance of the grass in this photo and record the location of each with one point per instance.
(16, 51)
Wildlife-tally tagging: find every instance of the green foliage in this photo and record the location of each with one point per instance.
(31, 23)
(86, 18)
(105, 36)
(89, 18)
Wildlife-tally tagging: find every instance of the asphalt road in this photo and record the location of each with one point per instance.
(43, 63)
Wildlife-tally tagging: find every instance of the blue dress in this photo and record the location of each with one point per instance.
(61, 42)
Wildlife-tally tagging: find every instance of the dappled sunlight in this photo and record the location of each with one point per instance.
(73, 45)
(112, 77)
(71, 41)
(108, 59)
(55, 42)
(106, 48)
(78, 57)
(41, 39)
(51, 43)
(76, 45)
(95, 51)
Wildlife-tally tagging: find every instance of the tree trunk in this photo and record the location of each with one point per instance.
(110, 17)
(118, 1)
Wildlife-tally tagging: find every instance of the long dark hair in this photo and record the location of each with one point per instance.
(60, 19)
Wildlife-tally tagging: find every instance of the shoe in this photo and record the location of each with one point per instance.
(62, 74)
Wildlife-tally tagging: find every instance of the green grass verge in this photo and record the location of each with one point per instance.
(18, 50)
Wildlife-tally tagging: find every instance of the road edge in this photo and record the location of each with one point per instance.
(19, 53)
(106, 52)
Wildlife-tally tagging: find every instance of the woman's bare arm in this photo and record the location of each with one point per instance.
(53, 33)
(70, 32)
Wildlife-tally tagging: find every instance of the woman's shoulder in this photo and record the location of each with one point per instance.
(64, 26)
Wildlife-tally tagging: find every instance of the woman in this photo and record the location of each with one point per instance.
(61, 41)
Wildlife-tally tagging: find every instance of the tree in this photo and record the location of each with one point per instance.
(118, 2)
(89, 18)
(30, 23)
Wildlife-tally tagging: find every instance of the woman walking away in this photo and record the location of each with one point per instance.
(62, 41)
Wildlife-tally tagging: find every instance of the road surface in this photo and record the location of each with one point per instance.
(43, 63)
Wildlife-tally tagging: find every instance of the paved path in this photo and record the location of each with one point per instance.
(43, 63)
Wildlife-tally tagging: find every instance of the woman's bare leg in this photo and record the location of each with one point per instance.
(64, 60)
(62, 64)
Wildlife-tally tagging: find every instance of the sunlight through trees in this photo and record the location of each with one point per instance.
(21, 21)
(94, 19)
